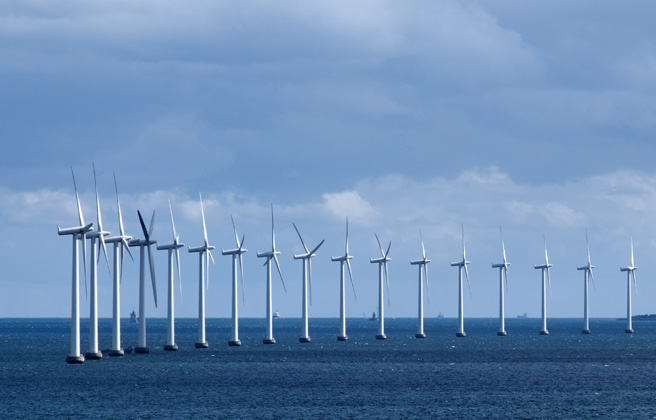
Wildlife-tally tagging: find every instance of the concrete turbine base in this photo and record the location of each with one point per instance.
(74, 359)
(586, 332)
(170, 347)
(142, 350)
(545, 332)
(461, 334)
(304, 340)
(629, 331)
(502, 333)
(420, 335)
(202, 345)
(93, 356)
(234, 343)
(342, 337)
(269, 341)
(115, 353)
(381, 337)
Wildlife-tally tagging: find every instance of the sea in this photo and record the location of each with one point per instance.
(607, 374)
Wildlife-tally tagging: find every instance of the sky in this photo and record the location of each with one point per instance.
(537, 117)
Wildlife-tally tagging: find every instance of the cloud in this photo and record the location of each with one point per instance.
(350, 204)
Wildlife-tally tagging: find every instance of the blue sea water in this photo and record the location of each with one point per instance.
(608, 374)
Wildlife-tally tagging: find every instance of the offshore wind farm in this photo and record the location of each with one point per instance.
(506, 147)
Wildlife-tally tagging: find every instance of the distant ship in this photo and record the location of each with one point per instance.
(522, 316)
(276, 315)
(440, 315)
(644, 317)
(373, 317)
(133, 317)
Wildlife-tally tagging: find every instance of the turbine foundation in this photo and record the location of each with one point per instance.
(502, 333)
(234, 343)
(461, 334)
(544, 332)
(304, 340)
(269, 341)
(93, 356)
(629, 331)
(74, 359)
(342, 338)
(170, 347)
(381, 337)
(142, 350)
(418, 335)
(203, 345)
(586, 332)
(116, 353)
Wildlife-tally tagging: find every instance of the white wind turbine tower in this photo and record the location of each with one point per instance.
(342, 290)
(120, 245)
(96, 237)
(382, 265)
(306, 258)
(236, 258)
(170, 313)
(462, 265)
(545, 275)
(78, 233)
(423, 272)
(142, 243)
(271, 255)
(204, 252)
(587, 274)
(503, 272)
(630, 272)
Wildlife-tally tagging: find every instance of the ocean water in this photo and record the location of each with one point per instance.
(608, 374)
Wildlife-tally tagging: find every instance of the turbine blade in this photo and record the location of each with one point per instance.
(235, 230)
(211, 257)
(273, 231)
(151, 262)
(635, 283)
(549, 278)
(588, 245)
(77, 198)
(241, 268)
(202, 212)
(387, 284)
(505, 272)
(301, 238)
(632, 263)
(467, 275)
(143, 227)
(426, 281)
(310, 278)
(120, 216)
(423, 249)
(177, 262)
(241, 245)
(464, 257)
(592, 278)
(207, 269)
(275, 257)
(152, 224)
(175, 235)
(346, 236)
(120, 274)
(388, 250)
(84, 260)
(348, 264)
(124, 242)
(317, 247)
(379, 246)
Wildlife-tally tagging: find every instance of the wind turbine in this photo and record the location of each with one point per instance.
(204, 252)
(144, 243)
(236, 257)
(545, 275)
(503, 272)
(120, 245)
(587, 274)
(342, 290)
(172, 247)
(382, 264)
(271, 255)
(95, 236)
(306, 258)
(630, 272)
(423, 272)
(462, 265)
(78, 233)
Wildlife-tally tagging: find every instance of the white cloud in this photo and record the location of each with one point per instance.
(350, 204)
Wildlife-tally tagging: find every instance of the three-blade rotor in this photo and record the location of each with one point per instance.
(174, 247)
(273, 254)
(546, 266)
(588, 268)
(148, 242)
(238, 252)
(383, 260)
(463, 263)
(423, 263)
(505, 264)
(307, 258)
(631, 269)
(347, 258)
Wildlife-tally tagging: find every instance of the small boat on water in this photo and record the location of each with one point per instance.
(522, 316)
(440, 315)
(133, 317)
(276, 315)
(373, 317)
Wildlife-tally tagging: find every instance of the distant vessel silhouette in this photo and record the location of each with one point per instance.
(440, 315)
(133, 317)
(276, 315)
(373, 317)
(522, 316)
